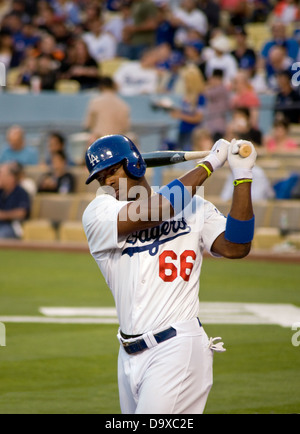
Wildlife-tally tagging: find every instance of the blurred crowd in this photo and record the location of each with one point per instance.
(199, 51)
(60, 39)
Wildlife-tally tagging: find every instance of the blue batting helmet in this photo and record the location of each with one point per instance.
(111, 150)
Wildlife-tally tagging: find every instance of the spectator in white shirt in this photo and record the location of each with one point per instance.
(189, 17)
(101, 45)
(139, 77)
(222, 59)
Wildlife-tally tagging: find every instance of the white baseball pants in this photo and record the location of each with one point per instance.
(174, 377)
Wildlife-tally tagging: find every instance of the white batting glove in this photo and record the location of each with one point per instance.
(241, 167)
(218, 155)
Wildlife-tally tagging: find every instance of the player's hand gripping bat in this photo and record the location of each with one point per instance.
(166, 158)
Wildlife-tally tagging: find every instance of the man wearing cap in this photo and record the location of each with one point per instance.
(222, 59)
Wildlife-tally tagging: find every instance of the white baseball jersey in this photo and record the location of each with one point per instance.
(153, 274)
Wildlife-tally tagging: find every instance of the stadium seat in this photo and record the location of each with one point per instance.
(39, 230)
(109, 67)
(294, 133)
(67, 86)
(55, 208)
(266, 238)
(82, 202)
(263, 212)
(286, 213)
(259, 34)
(72, 232)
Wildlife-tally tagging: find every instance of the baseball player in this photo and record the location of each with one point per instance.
(152, 266)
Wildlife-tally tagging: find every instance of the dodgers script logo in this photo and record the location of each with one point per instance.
(171, 230)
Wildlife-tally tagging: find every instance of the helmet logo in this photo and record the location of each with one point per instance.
(93, 159)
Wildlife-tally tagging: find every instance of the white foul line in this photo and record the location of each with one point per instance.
(284, 315)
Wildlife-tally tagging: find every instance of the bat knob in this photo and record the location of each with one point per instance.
(245, 151)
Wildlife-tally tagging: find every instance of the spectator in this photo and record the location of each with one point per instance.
(244, 55)
(8, 55)
(140, 35)
(193, 54)
(279, 141)
(279, 38)
(46, 72)
(245, 96)
(189, 17)
(67, 10)
(116, 25)
(287, 11)
(222, 59)
(217, 99)
(278, 62)
(191, 113)
(27, 39)
(287, 99)
(240, 128)
(101, 45)
(260, 11)
(56, 143)
(165, 32)
(58, 180)
(17, 150)
(138, 77)
(212, 11)
(14, 202)
(27, 183)
(238, 9)
(108, 113)
(28, 70)
(80, 66)
(48, 46)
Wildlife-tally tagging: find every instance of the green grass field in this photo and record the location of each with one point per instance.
(53, 368)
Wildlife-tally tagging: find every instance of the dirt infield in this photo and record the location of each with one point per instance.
(57, 246)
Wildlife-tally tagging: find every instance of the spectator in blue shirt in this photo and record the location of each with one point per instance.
(280, 38)
(14, 202)
(244, 55)
(17, 150)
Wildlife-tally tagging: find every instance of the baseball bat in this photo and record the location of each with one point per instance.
(166, 158)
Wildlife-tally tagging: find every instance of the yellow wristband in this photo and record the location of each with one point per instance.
(242, 181)
(209, 172)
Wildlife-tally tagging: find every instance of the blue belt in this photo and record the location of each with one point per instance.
(140, 345)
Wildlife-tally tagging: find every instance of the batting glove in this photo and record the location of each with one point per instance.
(241, 167)
(218, 155)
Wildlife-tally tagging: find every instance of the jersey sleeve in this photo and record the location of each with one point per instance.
(214, 226)
(100, 222)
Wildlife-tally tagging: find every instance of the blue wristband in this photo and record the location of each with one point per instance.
(238, 231)
(177, 194)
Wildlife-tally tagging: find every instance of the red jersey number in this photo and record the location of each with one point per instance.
(168, 272)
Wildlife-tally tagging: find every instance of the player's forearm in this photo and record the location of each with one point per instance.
(195, 178)
(241, 210)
